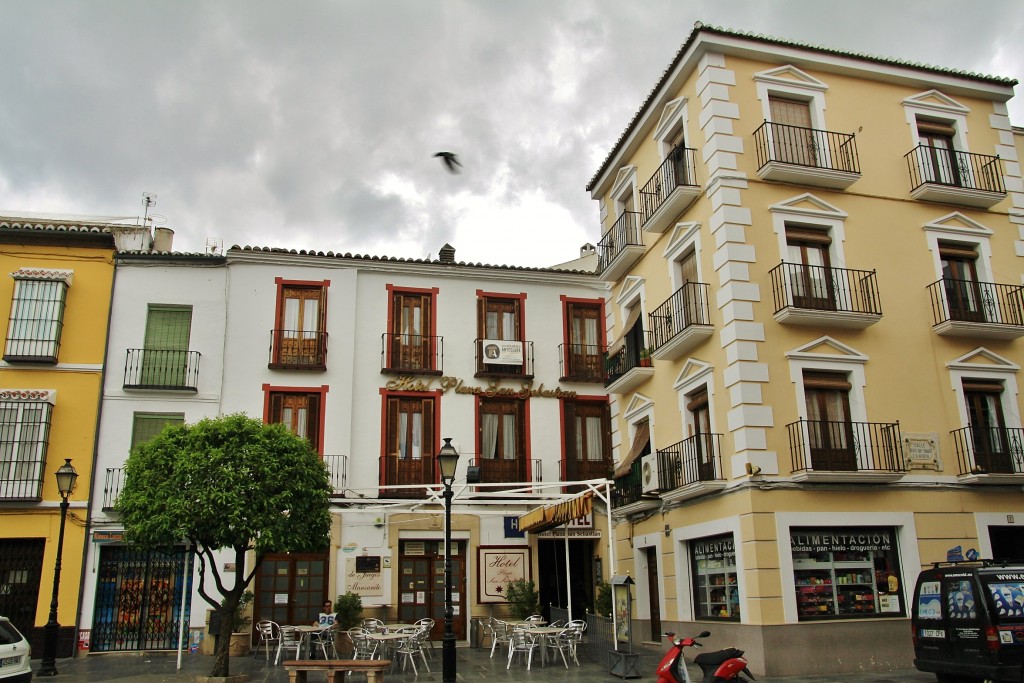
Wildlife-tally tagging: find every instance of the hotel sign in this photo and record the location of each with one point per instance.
(492, 389)
(497, 567)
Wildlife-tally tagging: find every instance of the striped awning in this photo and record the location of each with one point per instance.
(542, 519)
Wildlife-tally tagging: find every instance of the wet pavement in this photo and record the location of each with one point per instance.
(471, 665)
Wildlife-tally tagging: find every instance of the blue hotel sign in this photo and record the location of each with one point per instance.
(512, 528)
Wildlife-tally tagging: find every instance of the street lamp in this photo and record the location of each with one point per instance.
(66, 478)
(447, 460)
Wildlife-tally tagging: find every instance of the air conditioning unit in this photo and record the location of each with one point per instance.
(649, 480)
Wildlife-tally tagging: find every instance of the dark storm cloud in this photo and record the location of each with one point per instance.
(313, 124)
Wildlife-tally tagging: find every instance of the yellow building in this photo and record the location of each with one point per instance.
(57, 293)
(816, 314)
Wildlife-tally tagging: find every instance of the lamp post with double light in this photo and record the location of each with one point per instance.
(447, 460)
(66, 478)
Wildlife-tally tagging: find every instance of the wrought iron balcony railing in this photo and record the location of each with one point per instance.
(954, 168)
(836, 446)
(396, 471)
(112, 485)
(575, 469)
(629, 488)
(976, 302)
(500, 358)
(624, 360)
(298, 350)
(624, 233)
(677, 171)
(581, 362)
(414, 354)
(697, 458)
(687, 306)
(821, 288)
(21, 479)
(512, 471)
(809, 147)
(989, 450)
(161, 369)
(337, 471)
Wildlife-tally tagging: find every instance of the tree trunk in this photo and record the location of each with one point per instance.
(221, 657)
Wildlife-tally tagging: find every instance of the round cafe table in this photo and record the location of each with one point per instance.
(387, 643)
(542, 632)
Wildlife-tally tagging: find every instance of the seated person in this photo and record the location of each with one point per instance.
(327, 615)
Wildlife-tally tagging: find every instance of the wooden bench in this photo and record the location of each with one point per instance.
(337, 668)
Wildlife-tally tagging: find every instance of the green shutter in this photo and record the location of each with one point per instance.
(147, 425)
(165, 358)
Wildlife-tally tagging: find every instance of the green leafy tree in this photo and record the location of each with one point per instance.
(228, 484)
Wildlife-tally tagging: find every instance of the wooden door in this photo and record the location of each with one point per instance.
(793, 137)
(290, 588)
(421, 588)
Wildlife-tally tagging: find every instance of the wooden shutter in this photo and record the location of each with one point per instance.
(807, 235)
(569, 435)
(391, 444)
(826, 380)
(313, 420)
(276, 409)
(790, 112)
(168, 328)
(980, 385)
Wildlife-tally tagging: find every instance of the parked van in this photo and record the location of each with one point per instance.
(968, 621)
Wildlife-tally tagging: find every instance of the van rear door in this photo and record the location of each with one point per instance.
(965, 619)
(1004, 592)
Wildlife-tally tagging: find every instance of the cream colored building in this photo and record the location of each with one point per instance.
(815, 321)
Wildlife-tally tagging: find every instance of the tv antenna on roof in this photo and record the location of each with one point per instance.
(215, 245)
(148, 200)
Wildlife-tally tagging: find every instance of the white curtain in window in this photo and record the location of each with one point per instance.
(309, 318)
(508, 325)
(508, 441)
(403, 431)
(594, 439)
(489, 425)
(417, 436)
(291, 318)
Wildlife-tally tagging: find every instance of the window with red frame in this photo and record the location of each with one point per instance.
(410, 342)
(300, 412)
(299, 339)
(409, 443)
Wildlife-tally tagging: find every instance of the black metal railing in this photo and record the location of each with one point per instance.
(21, 479)
(112, 485)
(687, 306)
(678, 170)
(697, 458)
(411, 353)
(512, 471)
(598, 639)
(954, 168)
(409, 471)
(161, 369)
(800, 146)
(823, 288)
(622, 361)
(499, 358)
(581, 362)
(837, 446)
(298, 349)
(629, 487)
(624, 233)
(337, 472)
(989, 450)
(980, 302)
(576, 469)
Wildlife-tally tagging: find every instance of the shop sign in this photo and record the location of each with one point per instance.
(512, 529)
(363, 583)
(501, 352)
(831, 540)
(717, 548)
(497, 567)
(100, 536)
(570, 532)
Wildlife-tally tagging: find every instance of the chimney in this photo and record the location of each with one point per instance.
(447, 254)
(587, 249)
(162, 239)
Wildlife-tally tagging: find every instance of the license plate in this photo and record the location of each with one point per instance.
(10, 661)
(933, 633)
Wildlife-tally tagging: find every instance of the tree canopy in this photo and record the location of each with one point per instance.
(226, 483)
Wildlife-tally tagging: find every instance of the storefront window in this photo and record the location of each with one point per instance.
(846, 572)
(714, 570)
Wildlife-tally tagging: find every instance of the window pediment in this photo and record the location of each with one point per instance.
(789, 75)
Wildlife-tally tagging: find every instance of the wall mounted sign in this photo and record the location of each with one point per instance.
(500, 352)
(368, 564)
(921, 450)
(364, 583)
(512, 529)
(495, 387)
(498, 566)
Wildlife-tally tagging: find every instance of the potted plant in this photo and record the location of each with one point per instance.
(348, 613)
(523, 599)
(603, 601)
(645, 358)
(241, 636)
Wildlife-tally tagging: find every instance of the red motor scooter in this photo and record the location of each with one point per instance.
(724, 665)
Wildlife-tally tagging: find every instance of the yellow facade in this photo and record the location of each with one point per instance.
(80, 260)
(847, 394)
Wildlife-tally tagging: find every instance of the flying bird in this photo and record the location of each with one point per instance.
(451, 162)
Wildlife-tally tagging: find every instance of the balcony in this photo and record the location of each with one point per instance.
(21, 479)
(627, 369)
(954, 177)
(823, 450)
(337, 472)
(807, 156)
(581, 363)
(691, 468)
(681, 323)
(499, 358)
(670, 191)
(512, 471)
(825, 296)
(298, 350)
(983, 310)
(112, 485)
(990, 455)
(396, 471)
(574, 469)
(411, 354)
(628, 496)
(161, 370)
(620, 247)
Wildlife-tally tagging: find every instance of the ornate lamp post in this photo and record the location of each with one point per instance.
(447, 460)
(66, 478)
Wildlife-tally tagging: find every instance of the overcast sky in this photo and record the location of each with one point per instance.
(312, 125)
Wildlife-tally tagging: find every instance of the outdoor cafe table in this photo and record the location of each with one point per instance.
(387, 641)
(306, 636)
(543, 632)
(398, 627)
